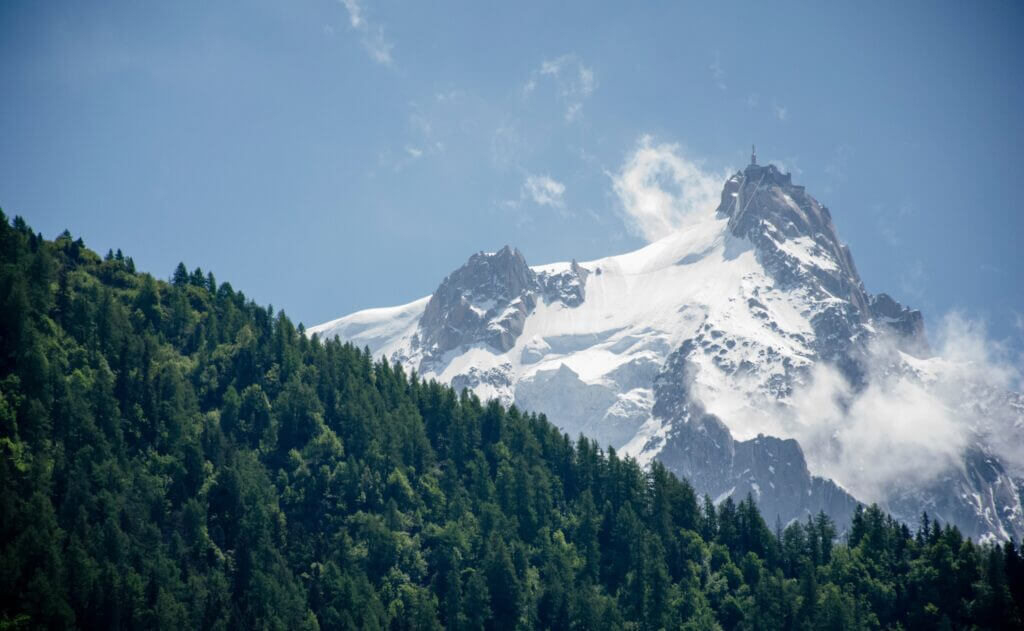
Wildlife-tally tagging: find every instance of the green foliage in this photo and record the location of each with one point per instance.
(173, 455)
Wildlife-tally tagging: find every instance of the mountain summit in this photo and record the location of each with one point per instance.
(742, 351)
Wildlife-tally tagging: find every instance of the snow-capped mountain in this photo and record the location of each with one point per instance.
(742, 351)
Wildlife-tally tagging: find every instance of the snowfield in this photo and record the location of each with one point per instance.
(605, 353)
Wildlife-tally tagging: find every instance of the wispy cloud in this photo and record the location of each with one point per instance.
(377, 46)
(780, 112)
(659, 188)
(908, 425)
(450, 96)
(355, 13)
(718, 73)
(787, 164)
(574, 81)
(544, 191)
(420, 148)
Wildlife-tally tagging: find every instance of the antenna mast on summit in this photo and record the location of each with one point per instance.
(753, 155)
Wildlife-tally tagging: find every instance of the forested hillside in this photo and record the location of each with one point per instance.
(174, 456)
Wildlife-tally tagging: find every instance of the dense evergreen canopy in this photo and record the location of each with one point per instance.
(174, 456)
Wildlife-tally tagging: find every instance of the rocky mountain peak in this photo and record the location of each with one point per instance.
(485, 301)
(906, 323)
(791, 229)
(501, 274)
(799, 246)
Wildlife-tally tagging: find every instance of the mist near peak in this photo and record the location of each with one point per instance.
(910, 423)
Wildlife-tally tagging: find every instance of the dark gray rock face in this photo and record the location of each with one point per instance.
(484, 301)
(772, 470)
(980, 498)
(906, 323)
(766, 208)
(474, 377)
(487, 301)
(567, 287)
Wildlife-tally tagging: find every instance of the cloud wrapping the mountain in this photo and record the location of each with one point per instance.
(659, 187)
(896, 433)
(904, 429)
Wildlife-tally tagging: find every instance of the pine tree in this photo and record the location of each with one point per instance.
(180, 277)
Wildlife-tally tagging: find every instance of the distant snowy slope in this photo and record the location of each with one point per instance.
(379, 329)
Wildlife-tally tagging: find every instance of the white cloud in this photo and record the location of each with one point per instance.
(659, 187)
(895, 432)
(544, 191)
(355, 16)
(414, 152)
(379, 47)
(373, 40)
(574, 81)
(911, 423)
(554, 66)
(780, 112)
(587, 82)
(451, 96)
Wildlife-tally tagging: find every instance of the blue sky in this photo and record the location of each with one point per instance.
(328, 156)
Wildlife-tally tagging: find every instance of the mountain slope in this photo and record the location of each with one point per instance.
(700, 350)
